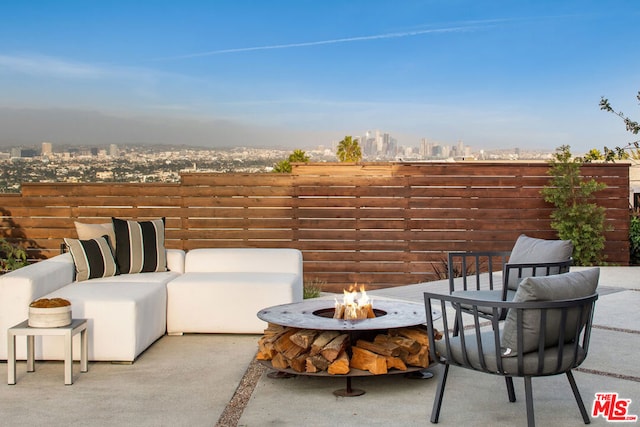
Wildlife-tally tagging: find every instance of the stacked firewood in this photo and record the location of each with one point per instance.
(312, 351)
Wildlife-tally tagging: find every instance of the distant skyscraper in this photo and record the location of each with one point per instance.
(113, 150)
(47, 149)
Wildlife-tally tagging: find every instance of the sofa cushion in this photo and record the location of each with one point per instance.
(567, 286)
(140, 245)
(93, 258)
(93, 231)
(529, 250)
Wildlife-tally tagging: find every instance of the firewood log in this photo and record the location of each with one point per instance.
(260, 355)
(415, 334)
(284, 341)
(340, 366)
(304, 338)
(370, 313)
(407, 344)
(279, 362)
(420, 359)
(274, 329)
(293, 351)
(384, 349)
(395, 362)
(368, 361)
(337, 345)
(339, 311)
(321, 340)
(316, 363)
(299, 364)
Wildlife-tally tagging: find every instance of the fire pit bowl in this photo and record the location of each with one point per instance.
(318, 314)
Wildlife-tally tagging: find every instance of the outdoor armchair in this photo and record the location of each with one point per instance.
(546, 332)
(474, 274)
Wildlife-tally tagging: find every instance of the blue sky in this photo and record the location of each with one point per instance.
(501, 73)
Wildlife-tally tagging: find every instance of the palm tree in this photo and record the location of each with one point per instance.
(284, 166)
(298, 156)
(349, 150)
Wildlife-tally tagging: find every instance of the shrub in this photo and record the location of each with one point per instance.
(312, 289)
(576, 217)
(12, 257)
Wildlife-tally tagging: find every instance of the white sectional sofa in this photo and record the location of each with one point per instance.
(221, 292)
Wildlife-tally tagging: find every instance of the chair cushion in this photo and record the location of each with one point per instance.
(566, 286)
(140, 245)
(531, 361)
(93, 258)
(531, 250)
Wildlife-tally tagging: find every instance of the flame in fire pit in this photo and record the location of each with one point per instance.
(354, 306)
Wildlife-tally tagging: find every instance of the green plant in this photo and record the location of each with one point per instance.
(313, 289)
(576, 217)
(634, 239)
(349, 150)
(12, 256)
(284, 166)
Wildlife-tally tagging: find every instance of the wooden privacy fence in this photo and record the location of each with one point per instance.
(374, 224)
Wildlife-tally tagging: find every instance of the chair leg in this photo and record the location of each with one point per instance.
(528, 392)
(576, 393)
(510, 390)
(437, 401)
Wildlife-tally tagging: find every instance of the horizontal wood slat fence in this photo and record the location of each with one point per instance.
(375, 224)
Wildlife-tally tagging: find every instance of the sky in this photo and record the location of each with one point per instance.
(489, 73)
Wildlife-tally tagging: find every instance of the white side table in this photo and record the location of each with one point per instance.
(23, 328)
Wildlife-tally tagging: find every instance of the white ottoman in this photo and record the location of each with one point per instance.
(222, 290)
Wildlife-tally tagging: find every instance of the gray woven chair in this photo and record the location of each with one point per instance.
(546, 332)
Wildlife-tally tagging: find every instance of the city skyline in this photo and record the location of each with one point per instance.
(298, 74)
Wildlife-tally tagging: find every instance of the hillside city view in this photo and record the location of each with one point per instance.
(48, 162)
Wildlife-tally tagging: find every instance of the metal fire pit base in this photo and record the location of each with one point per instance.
(349, 392)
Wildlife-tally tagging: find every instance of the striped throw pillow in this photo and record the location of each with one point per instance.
(93, 258)
(140, 246)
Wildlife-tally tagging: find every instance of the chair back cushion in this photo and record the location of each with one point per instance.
(529, 250)
(567, 286)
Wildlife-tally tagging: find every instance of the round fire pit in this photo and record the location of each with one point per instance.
(318, 314)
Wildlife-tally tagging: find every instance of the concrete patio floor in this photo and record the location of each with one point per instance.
(189, 380)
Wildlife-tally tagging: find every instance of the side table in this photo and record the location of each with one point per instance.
(23, 328)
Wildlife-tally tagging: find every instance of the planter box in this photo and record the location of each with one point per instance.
(50, 317)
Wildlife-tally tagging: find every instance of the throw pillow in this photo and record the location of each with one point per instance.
(93, 231)
(92, 258)
(140, 245)
(576, 284)
(531, 250)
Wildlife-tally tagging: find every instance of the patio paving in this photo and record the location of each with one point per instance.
(189, 380)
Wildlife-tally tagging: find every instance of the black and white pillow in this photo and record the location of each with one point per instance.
(140, 245)
(93, 258)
